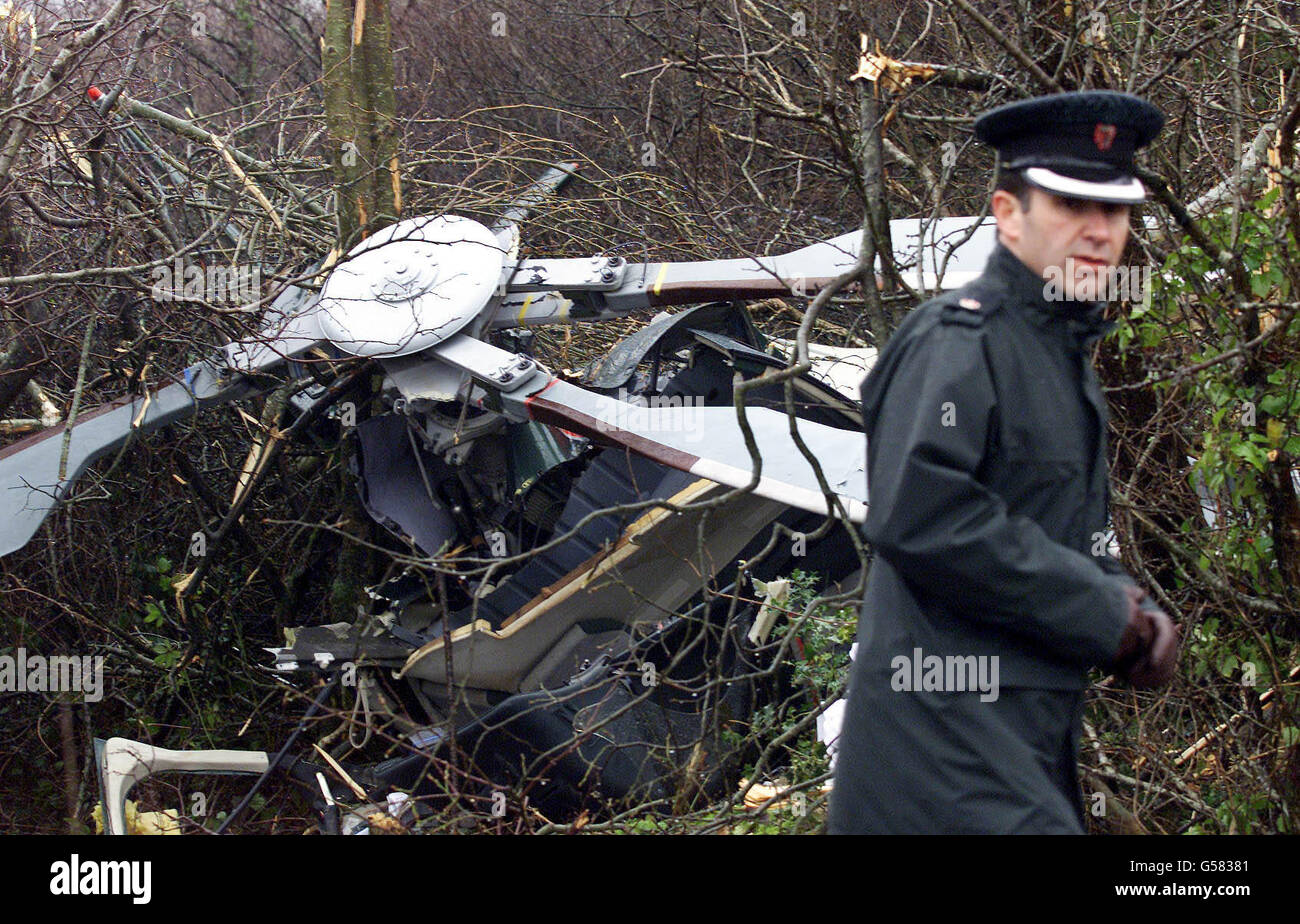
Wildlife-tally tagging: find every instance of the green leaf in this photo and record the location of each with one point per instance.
(1251, 453)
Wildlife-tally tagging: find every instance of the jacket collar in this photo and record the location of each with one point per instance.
(1021, 287)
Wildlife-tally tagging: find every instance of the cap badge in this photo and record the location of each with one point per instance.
(1103, 136)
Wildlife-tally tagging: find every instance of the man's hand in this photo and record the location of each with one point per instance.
(1148, 649)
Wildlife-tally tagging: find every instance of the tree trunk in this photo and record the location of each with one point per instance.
(361, 118)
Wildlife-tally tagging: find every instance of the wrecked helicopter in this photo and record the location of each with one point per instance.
(587, 607)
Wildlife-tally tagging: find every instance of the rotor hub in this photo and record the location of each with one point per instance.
(409, 271)
(410, 286)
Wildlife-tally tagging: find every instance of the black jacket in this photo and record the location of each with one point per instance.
(988, 490)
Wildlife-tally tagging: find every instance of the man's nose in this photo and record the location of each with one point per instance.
(1097, 224)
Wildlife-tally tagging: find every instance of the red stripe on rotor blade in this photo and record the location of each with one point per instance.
(547, 411)
(537, 394)
(50, 432)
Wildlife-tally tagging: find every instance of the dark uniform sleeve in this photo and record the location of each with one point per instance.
(946, 533)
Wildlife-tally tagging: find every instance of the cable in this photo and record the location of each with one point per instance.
(271, 767)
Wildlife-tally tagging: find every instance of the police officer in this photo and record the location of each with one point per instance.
(991, 592)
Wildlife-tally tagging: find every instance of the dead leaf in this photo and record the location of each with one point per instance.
(888, 73)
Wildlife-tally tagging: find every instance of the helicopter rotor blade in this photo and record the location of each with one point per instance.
(547, 185)
(944, 253)
(800, 272)
(34, 475)
(506, 228)
(704, 441)
(709, 442)
(30, 481)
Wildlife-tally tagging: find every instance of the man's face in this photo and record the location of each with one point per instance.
(1075, 241)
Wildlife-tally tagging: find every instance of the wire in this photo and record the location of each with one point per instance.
(275, 762)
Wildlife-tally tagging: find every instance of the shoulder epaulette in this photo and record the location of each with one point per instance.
(962, 309)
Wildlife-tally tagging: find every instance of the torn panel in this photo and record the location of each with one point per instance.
(392, 486)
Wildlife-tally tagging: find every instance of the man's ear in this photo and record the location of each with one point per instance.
(1008, 214)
